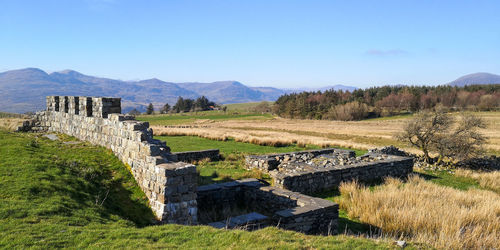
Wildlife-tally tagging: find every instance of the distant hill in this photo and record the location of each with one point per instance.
(475, 79)
(24, 90)
(338, 87)
(233, 91)
(334, 87)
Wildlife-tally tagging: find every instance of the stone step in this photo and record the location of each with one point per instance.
(251, 220)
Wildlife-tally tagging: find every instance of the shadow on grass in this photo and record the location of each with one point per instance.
(213, 178)
(426, 177)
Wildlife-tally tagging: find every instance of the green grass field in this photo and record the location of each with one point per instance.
(232, 167)
(189, 143)
(185, 118)
(55, 195)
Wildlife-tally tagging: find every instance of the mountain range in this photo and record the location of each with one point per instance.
(24, 90)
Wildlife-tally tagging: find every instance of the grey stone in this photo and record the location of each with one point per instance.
(52, 137)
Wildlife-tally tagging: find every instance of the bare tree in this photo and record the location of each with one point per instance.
(422, 130)
(432, 131)
(465, 141)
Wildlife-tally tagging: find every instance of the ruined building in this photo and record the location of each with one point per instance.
(171, 185)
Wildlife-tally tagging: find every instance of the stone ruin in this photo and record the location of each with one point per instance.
(171, 184)
(251, 204)
(318, 170)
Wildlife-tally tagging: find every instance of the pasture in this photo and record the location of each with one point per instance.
(265, 129)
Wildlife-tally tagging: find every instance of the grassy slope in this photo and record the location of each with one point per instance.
(51, 195)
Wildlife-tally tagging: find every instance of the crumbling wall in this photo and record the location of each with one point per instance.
(283, 208)
(314, 171)
(270, 162)
(319, 179)
(169, 185)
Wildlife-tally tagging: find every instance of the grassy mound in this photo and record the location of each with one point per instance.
(56, 194)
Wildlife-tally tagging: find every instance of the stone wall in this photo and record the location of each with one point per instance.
(272, 161)
(315, 179)
(169, 185)
(191, 156)
(317, 170)
(272, 206)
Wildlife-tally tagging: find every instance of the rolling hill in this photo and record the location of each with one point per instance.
(475, 79)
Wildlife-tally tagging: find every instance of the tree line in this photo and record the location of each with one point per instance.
(182, 105)
(385, 101)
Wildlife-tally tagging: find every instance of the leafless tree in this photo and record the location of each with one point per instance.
(422, 130)
(434, 131)
(464, 141)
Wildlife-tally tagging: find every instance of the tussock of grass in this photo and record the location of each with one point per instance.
(487, 180)
(421, 211)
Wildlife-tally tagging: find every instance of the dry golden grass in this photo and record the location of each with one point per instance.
(355, 134)
(259, 137)
(11, 123)
(487, 180)
(424, 212)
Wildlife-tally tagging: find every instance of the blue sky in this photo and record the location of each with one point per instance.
(272, 43)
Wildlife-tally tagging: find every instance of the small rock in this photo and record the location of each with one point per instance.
(400, 243)
(52, 137)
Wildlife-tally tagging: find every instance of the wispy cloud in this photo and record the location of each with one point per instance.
(391, 52)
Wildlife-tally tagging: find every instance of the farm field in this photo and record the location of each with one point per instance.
(268, 130)
(199, 117)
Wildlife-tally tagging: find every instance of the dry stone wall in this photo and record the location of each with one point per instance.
(272, 161)
(315, 171)
(169, 185)
(260, 205)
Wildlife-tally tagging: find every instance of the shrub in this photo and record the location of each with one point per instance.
(351, 111)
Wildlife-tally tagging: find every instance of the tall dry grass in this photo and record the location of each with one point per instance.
(259, 137)
(487, 180)
(424, 212)
(11, 123)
